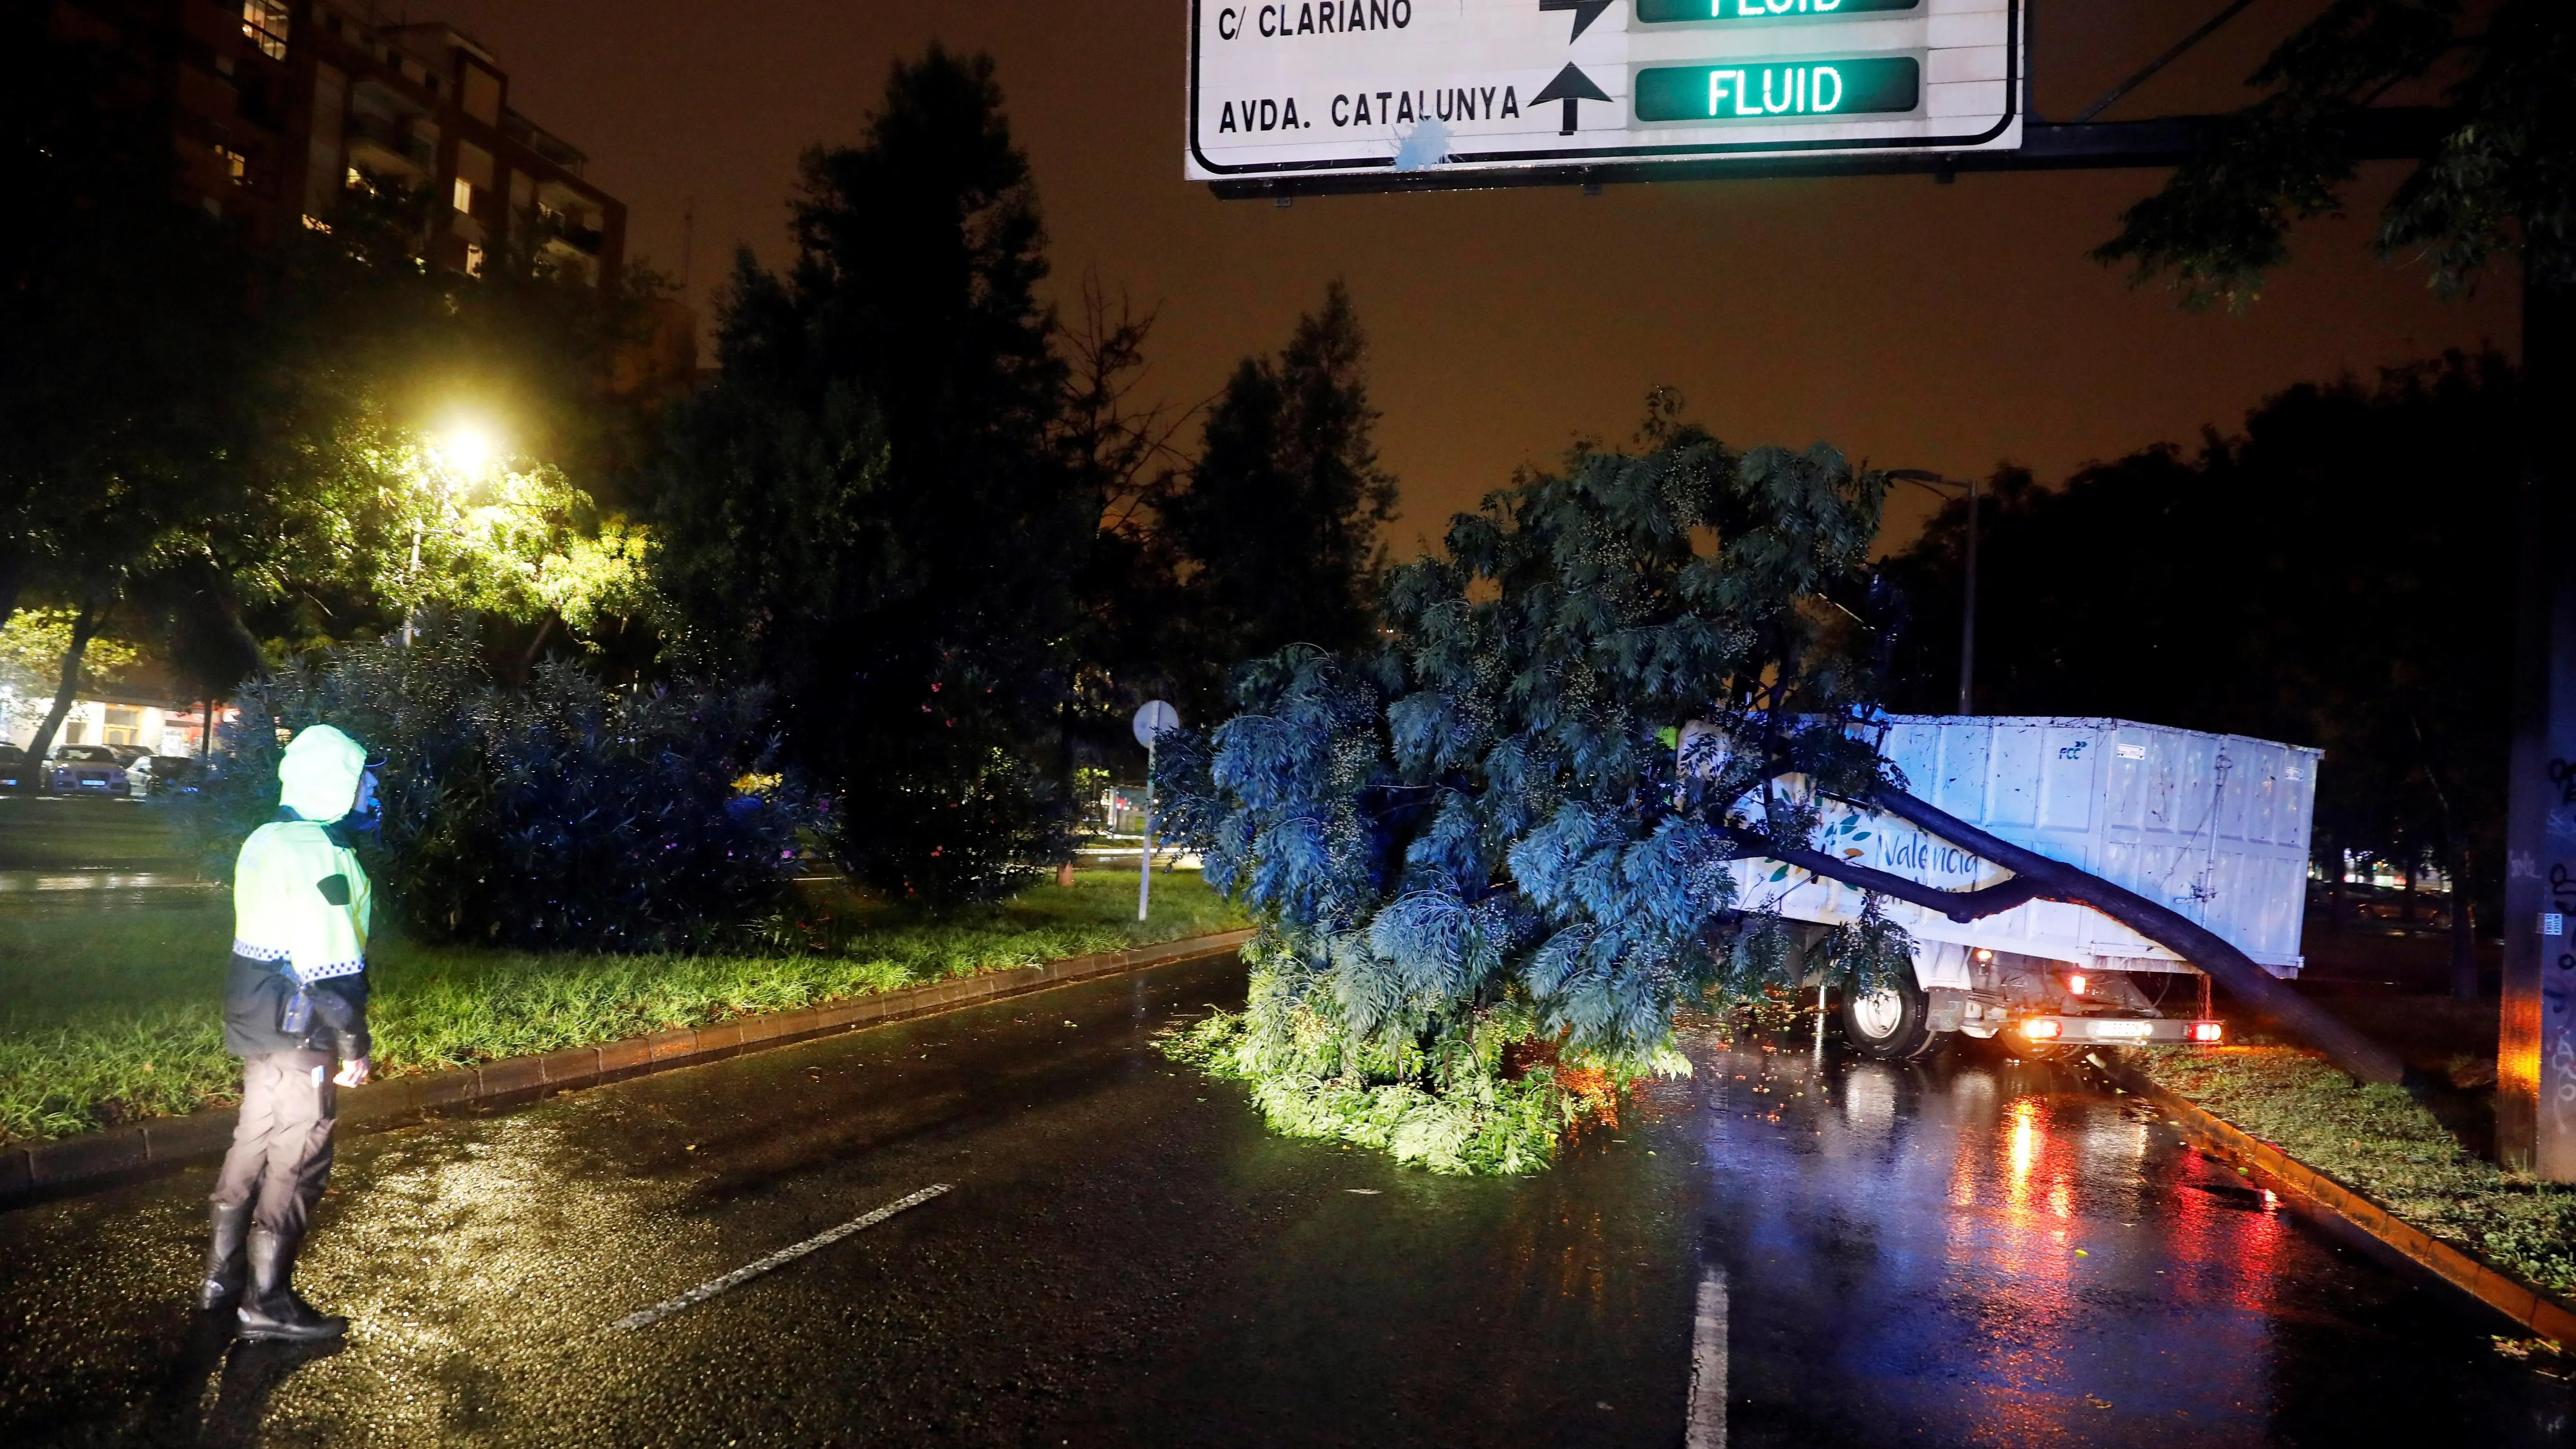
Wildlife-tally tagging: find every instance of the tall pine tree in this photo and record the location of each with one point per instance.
(1279, 520)
(868, 511)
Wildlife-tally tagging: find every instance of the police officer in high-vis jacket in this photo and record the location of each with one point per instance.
(295, 1011)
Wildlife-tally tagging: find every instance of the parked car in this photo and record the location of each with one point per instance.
(14, 774)
(161, 775)
(87, 770)
(126, 755)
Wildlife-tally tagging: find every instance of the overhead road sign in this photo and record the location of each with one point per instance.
(1396, 94)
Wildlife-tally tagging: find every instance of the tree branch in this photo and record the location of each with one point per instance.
(1962, 906)
(2055, 880)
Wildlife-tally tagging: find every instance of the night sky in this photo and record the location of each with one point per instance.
(1916, 325)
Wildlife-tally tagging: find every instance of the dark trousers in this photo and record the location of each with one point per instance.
(281, 1152)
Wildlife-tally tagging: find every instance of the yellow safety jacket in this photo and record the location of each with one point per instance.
(300, 898)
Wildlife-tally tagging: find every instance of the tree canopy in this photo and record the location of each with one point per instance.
(1478, 832)
(2329, 576)
(2500, 176)
(1278, 519)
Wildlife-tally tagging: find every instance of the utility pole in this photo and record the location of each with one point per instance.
(1934, 482)
(2536, 1050)
(1968, 615)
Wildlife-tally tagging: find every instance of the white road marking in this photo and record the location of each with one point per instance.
(739, 1276)
(1708, 1366)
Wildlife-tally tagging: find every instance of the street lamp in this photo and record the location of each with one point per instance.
(1934, 483)
(464, 449)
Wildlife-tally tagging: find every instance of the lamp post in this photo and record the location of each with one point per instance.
(465, 449)
(1968, 609)
(411, 577)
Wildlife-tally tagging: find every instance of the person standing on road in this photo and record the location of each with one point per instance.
(295, 1012)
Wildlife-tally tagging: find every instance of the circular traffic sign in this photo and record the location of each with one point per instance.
(1154, 718)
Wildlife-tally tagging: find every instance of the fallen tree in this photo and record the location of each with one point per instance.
(1473, 854)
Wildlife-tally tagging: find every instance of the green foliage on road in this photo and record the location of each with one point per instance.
(1458, 1106)
(107, 1016)
(2380, 1141)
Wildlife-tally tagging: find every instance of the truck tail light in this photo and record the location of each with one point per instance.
(2206, 1031)
(2042, 1029)
(2075, 983)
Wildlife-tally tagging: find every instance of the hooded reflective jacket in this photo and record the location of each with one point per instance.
(301, 909)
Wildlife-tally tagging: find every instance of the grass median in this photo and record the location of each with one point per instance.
(2380, 1141)
(110, 1012)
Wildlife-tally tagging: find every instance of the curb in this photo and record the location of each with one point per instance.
(2535, 1310)
(69, 1166)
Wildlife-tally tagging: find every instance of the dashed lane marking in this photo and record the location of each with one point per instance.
(1707, 1421)
(645, 1318)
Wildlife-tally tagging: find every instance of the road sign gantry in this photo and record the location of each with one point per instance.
(1461, 89)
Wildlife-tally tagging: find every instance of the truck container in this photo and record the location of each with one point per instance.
(2213, 826)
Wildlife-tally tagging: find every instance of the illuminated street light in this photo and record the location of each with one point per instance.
(464, 449)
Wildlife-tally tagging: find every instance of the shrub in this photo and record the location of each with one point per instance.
(555, 815)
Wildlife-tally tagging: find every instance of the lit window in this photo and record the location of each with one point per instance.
(264, 25)
(473, 260)
(236, 165)
(464, 194)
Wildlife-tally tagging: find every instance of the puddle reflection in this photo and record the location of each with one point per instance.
(1919, 1248)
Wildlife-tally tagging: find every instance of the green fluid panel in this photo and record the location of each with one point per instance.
(1779, 90)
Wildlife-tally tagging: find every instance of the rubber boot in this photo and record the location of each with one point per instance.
(224, 1258)
(271, 1309)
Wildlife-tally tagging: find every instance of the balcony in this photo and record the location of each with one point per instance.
(388, 148)
(545, 143)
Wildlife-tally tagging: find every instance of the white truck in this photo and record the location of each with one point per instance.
(2214, 827)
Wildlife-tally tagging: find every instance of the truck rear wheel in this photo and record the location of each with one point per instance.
(1889, 1023)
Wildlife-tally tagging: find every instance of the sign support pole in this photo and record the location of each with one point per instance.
(2536, 1052)
(1145, 857)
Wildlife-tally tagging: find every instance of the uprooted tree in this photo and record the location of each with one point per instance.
(1482, 875)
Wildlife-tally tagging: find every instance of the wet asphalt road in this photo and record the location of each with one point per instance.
(1971, 1253)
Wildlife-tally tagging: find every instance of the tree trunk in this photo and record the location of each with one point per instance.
(2464, 936)
(2533, 1063)
(2406, 896)
(1064, 787)
(2038, 877)
(536, 648)
(13, 579)
(84, 625)
(2335, 903)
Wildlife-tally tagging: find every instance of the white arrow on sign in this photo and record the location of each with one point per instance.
(1356, 87)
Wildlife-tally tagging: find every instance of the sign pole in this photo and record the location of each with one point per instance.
(2536, 1052)
(1151, 720)
(1145, 857)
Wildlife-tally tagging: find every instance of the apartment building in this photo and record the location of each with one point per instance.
(277, 105)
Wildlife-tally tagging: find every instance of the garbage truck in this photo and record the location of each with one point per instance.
(2213, 826)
